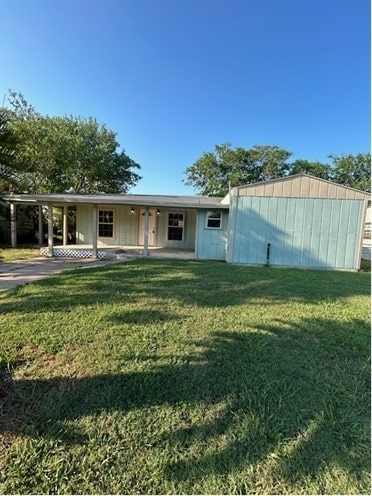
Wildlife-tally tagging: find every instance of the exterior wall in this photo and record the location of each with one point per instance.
(126, 227)
(188, 242)
(211, 243)
(83, 224)
(302, 232)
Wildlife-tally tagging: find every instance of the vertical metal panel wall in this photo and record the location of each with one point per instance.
(302, 232)
(211, 243)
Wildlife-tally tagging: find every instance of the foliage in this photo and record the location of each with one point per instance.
(313, 168)
(215, 172)
(66, 154)
(174, 377)
(8, 145)
(352, 170)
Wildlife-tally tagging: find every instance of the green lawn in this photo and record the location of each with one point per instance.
(8, 254)
(187, 377)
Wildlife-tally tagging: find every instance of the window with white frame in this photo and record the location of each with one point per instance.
(176, 224)
(106, 223)
(214, 219)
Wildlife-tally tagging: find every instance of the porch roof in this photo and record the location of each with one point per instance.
(107, 199)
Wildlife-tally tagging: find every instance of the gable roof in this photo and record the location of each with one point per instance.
(301, 186)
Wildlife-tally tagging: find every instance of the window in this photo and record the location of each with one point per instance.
(106, 223)
(214, 220)
(367, 230)
(175, 227)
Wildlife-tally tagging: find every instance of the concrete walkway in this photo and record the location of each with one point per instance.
(14, 274)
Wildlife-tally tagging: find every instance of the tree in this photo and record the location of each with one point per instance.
(66, 154)
(352, 170)
(313, 168)
(8, 145)
(214, 172)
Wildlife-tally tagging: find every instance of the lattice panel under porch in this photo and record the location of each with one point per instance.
(73, 253)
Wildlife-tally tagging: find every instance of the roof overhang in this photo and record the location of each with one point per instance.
(107, 199)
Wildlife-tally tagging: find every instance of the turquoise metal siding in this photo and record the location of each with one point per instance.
(211, 243)
(302, 232)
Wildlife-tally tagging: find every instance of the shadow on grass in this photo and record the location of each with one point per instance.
(297, 394)
(202, 284)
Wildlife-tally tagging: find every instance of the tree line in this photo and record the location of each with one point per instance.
(52, 154)
(216, 171)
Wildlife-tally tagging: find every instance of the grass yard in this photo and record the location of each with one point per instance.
(187, 377)
(8, 254)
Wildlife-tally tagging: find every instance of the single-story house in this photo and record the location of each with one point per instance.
(295, 221)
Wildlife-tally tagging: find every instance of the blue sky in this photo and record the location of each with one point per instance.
(174, 78)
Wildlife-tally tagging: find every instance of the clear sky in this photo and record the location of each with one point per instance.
(174, 78)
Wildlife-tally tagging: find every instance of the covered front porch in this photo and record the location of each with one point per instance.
(149, 226)
(114, 231)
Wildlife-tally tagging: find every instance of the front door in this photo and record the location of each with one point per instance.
(152, 227)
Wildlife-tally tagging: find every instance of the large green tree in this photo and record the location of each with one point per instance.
(65, 154)
(214, 172)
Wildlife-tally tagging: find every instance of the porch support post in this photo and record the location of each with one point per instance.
(94, 231)
(13, 225)
(50, 230)
(40, 218)
(65, 227)
(146, 233)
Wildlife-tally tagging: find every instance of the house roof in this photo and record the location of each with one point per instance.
(301, 186)
(107, 199)
(296, 186)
